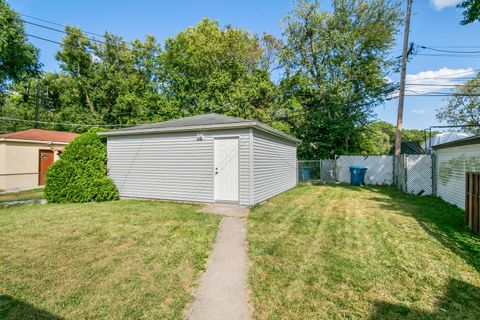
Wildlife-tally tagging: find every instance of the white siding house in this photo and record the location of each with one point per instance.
(207, 158)
(453, 160)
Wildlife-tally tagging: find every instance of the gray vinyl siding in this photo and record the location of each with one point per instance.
(244, 168)
(451, 165)
(173, 166)
(274, 166)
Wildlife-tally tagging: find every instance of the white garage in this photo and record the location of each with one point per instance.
(205, 158)
(453, 160)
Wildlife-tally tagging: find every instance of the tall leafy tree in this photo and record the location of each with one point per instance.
(208, 68)
(336, 67)
(463, 107)
(378, 137)
(471, 11)
(18, 57)
(112, 81)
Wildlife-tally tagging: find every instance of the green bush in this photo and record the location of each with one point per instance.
(81, 173)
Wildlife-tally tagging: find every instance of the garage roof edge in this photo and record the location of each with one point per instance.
(241, 124)
(457, 143)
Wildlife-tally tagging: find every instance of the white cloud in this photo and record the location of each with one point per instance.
(435, 80)
(440, 4)
(419, 111)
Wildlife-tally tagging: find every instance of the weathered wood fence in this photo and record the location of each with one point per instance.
(472, 201)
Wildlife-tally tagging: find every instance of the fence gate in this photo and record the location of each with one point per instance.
(419, 174)
(413, 174)
(316, 171)
(472, 199)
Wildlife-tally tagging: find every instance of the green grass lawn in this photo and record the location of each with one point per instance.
(22, 195)
(117, 260)
(331, 252)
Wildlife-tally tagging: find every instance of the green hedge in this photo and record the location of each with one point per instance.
(81, 173)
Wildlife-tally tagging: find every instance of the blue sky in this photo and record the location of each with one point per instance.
(435, 23)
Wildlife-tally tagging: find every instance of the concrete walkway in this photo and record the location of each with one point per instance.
(222, 293)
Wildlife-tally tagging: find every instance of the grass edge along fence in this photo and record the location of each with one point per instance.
(410, 173)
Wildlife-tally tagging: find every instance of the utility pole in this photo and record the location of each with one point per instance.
(401, 98)
(37, 104)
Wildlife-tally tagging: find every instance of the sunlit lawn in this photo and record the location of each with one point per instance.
(330, 252)
(117, 260)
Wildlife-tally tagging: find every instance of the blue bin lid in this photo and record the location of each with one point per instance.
(357, 167)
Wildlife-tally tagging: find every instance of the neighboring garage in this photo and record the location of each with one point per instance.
(26, 155)
(205, 158)
(453, 160)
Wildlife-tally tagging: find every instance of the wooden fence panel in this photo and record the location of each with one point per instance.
(472, 200)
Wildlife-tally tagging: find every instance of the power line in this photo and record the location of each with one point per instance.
(62, 31)
(129, 47)
(433, 94)
(449, 75)
(70, 124)
(447, 55)
(44, 39)
(450, 79)
(86, 49)
(59, 24)
(54, 41)
(447, 51)
(457, 47)
(441, 85)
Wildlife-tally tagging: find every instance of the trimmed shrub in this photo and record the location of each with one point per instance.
(81, 173)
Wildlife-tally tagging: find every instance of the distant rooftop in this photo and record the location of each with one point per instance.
(40, 135)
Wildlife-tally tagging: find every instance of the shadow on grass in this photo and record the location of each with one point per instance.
(11, 308)
(460, 302)
(441, 220)
(339, 185)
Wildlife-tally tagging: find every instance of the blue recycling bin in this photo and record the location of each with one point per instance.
(305, 174)
(357, 175)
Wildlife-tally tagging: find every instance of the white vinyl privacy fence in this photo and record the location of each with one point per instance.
(410, 173)
(379, 168)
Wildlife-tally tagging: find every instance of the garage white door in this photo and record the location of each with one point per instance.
(226, 169)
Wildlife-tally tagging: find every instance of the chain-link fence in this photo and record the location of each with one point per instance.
(413, 174)
(409, 173)
(317, 171)
(21, 186)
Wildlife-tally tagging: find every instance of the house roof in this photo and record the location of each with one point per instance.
(408, 147)
(208, 121)
(461, 142)
(39, 135)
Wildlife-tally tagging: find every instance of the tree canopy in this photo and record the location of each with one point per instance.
(321, 82)
(336, 68)
(463, 107)
(204, 68)
(471, 12)
(18, 58)
(378, 137)
(207, 68)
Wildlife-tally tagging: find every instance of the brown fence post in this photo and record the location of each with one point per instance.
(472, 200)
